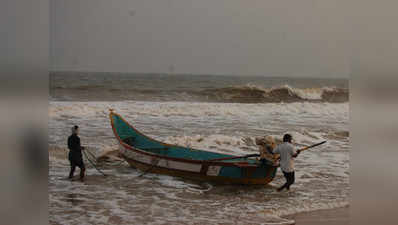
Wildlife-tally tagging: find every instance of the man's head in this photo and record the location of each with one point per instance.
(75, 129)
(287, 138)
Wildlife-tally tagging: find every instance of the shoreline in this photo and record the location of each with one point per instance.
(337, 216)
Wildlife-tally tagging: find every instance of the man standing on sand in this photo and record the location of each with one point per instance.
(75, 153)
(287, 153)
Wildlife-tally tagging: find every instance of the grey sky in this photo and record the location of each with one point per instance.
(255, 37)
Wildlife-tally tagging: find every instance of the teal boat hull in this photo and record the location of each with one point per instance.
(153, 156)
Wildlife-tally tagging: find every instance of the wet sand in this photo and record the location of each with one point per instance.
(339, 216)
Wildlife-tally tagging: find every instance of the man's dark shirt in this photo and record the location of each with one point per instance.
(75, 149)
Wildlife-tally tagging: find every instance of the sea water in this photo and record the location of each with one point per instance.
(213, 113)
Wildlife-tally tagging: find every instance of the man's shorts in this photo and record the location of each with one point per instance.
(76, 161)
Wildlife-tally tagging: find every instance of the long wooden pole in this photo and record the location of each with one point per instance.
(256, 155)
(311, 146)
(235, 157)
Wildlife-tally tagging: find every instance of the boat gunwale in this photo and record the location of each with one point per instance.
(129, 147)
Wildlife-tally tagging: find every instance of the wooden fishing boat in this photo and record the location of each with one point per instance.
(149, 155)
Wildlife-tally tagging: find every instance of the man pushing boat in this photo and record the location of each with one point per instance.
(287, 154)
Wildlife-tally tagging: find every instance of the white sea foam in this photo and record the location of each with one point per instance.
(75, 110)
(322, 178)
(307, 93)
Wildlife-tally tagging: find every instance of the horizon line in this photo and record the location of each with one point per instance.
(197, 74)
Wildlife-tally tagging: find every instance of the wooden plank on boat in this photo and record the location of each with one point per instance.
(156, 161)
(245, 164)
(213, 170)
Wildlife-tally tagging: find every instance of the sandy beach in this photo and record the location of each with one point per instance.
(339, 216)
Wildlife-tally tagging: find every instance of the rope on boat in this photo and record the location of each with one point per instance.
(91, 154)
(93, 164)
(149, 169)
(146, 171)
(119, 163)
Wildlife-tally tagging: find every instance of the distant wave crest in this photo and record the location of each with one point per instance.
(248, 93)
(254, 94)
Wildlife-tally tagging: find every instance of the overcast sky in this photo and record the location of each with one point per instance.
(250, 37)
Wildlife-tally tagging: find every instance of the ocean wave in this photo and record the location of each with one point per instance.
(80, 87)
(248, 93)
(285, 93)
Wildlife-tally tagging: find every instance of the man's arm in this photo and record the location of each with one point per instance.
(69, 143)
(295, 153)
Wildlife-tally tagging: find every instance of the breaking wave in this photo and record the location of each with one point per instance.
(255, 94)
(248, 93)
